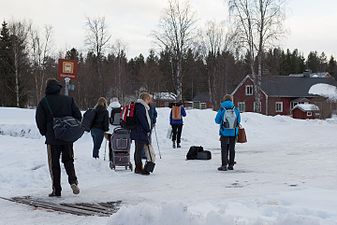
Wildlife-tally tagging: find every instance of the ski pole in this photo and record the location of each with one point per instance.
(106, 141)
(155, 132)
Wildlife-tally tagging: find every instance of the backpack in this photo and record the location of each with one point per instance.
(128, 116)
(88, 119)
(230, 120)
(193, 152)
(115, 116)
(176, 113)
(67, 128)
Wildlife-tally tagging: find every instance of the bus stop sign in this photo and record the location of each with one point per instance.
(67, 69)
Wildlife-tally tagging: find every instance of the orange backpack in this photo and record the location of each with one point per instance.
(176, 113)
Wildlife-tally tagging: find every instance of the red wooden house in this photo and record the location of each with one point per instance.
(279, 94)
(306, 111)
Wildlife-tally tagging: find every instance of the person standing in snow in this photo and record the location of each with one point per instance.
(176, 120)
(100, 125)
(114, 110)
(60, 106)
(141, 133)
(229, 119)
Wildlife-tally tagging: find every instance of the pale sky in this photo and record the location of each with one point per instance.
(311, 24)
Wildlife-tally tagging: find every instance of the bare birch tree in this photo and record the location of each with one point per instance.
(97, 41)
(40, 51)
(176, 33)
(19, 38)
(260, 24)
(216, 39)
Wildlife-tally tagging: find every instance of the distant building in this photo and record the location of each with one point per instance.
(280, 94)
(164, 99)
(202, 101)
(306, 111)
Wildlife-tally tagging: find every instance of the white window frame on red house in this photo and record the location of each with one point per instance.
(260, 108)
(278, 104)
(242, 106)
(249, 90)
(309, 113)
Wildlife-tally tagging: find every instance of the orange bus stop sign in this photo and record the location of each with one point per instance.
(67, 68)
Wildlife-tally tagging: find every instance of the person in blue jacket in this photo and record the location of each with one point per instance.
(228, 117)
(141, 133)
(176, 121)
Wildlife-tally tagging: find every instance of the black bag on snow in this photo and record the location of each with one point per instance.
(115, 116)
(204, 155)
(88, 119)
(67, 128)
(149, 165)
(193, 152)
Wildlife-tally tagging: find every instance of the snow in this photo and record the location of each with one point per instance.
(285, 174)
(325, 90)
(307, 107)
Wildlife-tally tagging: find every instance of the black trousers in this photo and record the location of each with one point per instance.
(228, 149)
(138, 152)
(54, 154)
(176, 133)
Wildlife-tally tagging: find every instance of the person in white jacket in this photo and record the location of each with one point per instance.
(114, 120)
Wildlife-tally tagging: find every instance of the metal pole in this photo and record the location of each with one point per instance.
(155, 132)
(106, 141)
(66, 89)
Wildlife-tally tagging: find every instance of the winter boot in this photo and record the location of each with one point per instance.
(139, 169)
(145, 172)
(174, 145)
(55, 194)
(230, 167)
(178, 145)
(222, 168)
(75, 188)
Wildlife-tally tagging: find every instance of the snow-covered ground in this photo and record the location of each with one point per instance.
(285, 175)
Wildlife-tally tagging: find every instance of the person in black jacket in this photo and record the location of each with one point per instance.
(60, 106)
(141, 133)
(100, 125)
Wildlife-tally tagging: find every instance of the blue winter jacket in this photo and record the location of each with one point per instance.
(153, 114)
(178, 122)
(219, 119)
(142, 130)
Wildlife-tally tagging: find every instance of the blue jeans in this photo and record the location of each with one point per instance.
(97, 136)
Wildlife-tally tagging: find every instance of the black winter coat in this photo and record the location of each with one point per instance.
(101, 119)
(142, 131)
(61, 106)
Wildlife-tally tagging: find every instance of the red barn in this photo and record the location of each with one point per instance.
(279, 94)
(306, 111)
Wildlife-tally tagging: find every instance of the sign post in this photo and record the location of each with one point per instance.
(67, 70)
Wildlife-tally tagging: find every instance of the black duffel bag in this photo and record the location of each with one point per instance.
(67, 128)
(193, 152)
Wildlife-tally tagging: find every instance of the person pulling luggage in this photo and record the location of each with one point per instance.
(228, 117)
(142, 130)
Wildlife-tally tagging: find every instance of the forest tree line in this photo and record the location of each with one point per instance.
(211, 66)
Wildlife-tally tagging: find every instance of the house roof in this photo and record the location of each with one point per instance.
(288, 86)
(307, 107)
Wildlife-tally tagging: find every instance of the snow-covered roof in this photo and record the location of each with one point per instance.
(325, 90)
(165, 96)
(312, 75)
(307, 107)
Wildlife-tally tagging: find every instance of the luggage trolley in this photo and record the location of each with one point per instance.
(119, 151)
